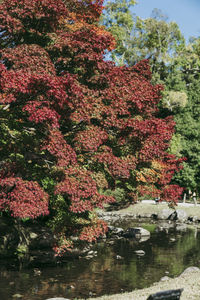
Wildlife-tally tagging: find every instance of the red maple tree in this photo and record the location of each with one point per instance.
(75, 124)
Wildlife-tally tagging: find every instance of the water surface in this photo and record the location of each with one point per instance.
(117, 268)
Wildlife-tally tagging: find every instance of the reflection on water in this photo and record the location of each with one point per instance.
(117, 268)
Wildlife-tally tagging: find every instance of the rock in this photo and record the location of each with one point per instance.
(70, 287)
(164, 227)
(119, 257)
(37, 272)
(165, 278)
(144, 239)
(33, 235)
(190, 270)
(173, 216)
(136, 232)
(107, 219)
(17, 296)
(43, 239)
(165, 214)
(145, 215)
(57, 298)
(181, 227)
(181, 215)
(195, 219)
(76, 252)
(74, 238)
(115, 231)
(143, 232)
(132, 233)
(111, 242)
(154, 216)
(172, 239)
(91, 294)
(178, 215)
(139, 252)
(89, 256)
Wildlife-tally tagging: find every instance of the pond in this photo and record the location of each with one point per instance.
(115, 269)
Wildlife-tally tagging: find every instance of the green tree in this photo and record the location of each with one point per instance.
(188, 118)
(118, 19)
(174, 64)
(153, 38)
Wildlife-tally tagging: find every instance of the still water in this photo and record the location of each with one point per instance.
(115, 269)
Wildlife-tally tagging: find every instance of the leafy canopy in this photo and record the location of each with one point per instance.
(75, 125)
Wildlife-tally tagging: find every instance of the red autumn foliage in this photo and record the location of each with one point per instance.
(172, 193)
(25, 199)
(90, 139)
(82, 190)
(57, 146)
(88, 118)
(93, 232)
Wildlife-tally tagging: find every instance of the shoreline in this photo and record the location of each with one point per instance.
(189, 280)
(147, 210)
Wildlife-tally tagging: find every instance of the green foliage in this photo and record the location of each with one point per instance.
(137, 38)
(119, 21)
(48, 184)
(119, 194)
(22, 250)
(176, 145)
(188, 117)
(174, 64)
(174, 99)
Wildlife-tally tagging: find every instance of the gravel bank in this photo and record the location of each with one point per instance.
(189, 281)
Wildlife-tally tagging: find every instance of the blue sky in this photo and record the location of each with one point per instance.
(186, 13)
